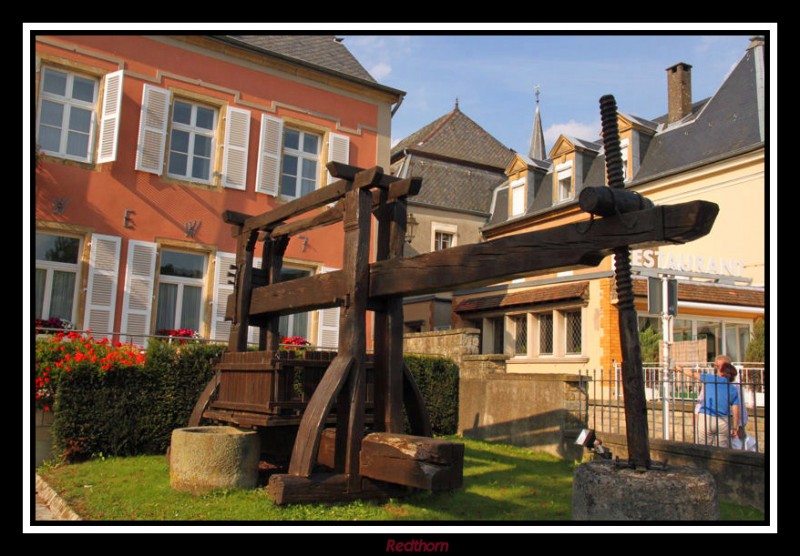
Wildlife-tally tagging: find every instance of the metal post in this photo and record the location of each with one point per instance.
(666, 321)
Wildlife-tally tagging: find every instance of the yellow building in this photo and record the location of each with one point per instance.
(712, 150)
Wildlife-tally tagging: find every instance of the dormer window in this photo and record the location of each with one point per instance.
(623, 148)
(564, 181)
(518, 197)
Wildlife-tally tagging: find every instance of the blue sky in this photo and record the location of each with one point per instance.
(493, 77)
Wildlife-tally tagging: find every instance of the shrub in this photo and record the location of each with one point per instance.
(756, 346)
(437, 378)
(120, 401)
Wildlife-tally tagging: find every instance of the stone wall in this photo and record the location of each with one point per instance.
(453, 344)
(538, 411)
(740, 475)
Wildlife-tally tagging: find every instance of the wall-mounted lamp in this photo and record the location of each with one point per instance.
(411, 228)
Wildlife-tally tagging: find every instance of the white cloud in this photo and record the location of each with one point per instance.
(380, 70)
(579, 130)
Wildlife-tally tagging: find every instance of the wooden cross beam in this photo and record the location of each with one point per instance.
(528, 254)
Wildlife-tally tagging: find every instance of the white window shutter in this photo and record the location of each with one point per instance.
(237, 140)
(221, 328)
(269, 155)
(101, 288)
(139, 287)
(153, 129)
(328, 327)
(252, 331)
(109, 120)
(338, 150)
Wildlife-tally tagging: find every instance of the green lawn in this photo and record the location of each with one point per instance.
(501, 482)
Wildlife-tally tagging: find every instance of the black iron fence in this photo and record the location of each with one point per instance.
(673, 404)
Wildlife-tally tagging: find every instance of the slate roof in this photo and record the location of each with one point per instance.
(455, 136)
(453, 185)
(710, 293)
(541, 294)
(322, 51)
(731, 121)
(459, 162)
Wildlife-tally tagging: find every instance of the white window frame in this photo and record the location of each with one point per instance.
(182, 282)
(562, 173)
(193, 132)
(300, 155)
(442, 228)
(50, 267)
(624, 149)
(69, 103)
(517, 197)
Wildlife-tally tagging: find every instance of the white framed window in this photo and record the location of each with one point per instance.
(443, 236)
(518, 197)
(300, 164)
(57, 276)
(67, 114)
(192, 141)
(623, 149)
(564, 179)
(181, 283)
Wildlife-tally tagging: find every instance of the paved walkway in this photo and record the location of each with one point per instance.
(50, 506)
(43, 513)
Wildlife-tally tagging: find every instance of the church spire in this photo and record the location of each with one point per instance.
(537, 150)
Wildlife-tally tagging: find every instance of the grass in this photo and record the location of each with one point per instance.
(501, 483)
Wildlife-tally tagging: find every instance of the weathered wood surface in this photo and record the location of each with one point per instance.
(204, 400)
(327, 487)
(413, 461)
(389, 326)
(528, 254)
(371, 177)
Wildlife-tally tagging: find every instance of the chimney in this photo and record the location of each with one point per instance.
(679, 91)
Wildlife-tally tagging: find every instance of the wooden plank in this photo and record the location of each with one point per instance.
(528, 254)
(370, 177)
(414, 461)
(331, 487)
(397, 190)
(240, 406)
(242, 292)
(204, 400)
(315, 415)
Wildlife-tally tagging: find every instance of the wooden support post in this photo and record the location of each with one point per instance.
(388, 393)
(352, 328)
(349, 366)
(270, 338)
(242, 291)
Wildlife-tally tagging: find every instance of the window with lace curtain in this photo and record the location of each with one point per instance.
(57, 259)
(180, 291)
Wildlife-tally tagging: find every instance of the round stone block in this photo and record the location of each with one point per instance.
(602, 491)
(211, 458)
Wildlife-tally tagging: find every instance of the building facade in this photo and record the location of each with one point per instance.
(144, 141)
(712, 150)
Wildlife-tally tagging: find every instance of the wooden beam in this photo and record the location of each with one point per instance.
(527, 254)
(318, 198)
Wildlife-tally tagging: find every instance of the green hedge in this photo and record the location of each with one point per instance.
(133, 409)
(129, 410)
(437, 378)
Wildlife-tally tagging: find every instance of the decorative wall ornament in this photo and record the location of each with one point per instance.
(190, 228)
(60, 204)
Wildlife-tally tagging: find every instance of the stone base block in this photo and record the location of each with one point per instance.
(211, 458)
(603, 492)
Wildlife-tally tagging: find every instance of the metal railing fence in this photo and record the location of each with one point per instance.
(673, 402)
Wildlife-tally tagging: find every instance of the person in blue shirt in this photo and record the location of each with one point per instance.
(720, 406)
